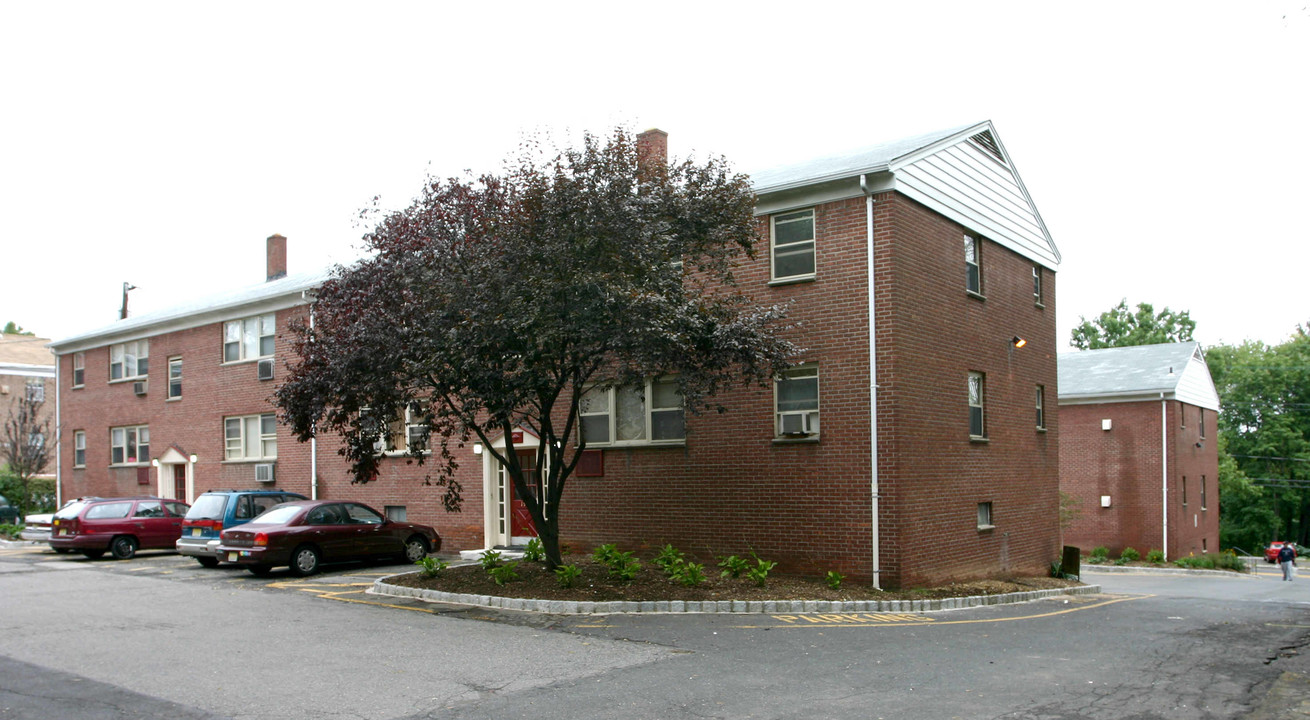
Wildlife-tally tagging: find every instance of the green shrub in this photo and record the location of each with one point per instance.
(431, 567)
(689, 574)
(1220, 561)
(668, 558)
(624, 568)
(1057, 569)
(534, 552)
(489, 559)
(566, 575)
(1130, 555)
(1155, 557)
(605, 554)
(504, 573)
(1100, 552)
(10, 532)
(1121, 561)
(760, 573)
(733, 566)
(833, 579)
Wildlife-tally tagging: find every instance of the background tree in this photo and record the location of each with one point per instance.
(24, 447)
(1264, 428)
(13, 328)
(1120, 327)
(495, 303)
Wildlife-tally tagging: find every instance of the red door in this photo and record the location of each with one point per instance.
(520, 520)
(179, 482)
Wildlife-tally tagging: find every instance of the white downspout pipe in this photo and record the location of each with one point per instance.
(1164, 473)
(313, 439)
(873, 387)
(59, 431)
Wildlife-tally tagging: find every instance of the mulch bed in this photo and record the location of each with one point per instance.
(651, 585)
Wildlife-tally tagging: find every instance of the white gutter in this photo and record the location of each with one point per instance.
(1164, 472)
(873, 388)
(313, 439)
(58, 434)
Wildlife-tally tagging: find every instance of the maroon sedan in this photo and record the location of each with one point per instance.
(302, 534)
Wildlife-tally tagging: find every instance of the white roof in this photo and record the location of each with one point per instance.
(274, 294)
(1173, 371)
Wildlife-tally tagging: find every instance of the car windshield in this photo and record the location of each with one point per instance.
(208, 507)
(70, 510)
(278, 515)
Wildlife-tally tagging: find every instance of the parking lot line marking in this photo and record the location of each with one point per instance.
(836, 620)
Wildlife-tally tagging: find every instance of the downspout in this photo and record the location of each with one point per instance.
(1164, 472)
(59, 476)
(313, 439)
(873, 388)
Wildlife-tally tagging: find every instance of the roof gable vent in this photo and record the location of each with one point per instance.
(985, 140)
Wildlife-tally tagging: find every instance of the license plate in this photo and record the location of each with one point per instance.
(63, 532)
(231, 557)
(197, 532)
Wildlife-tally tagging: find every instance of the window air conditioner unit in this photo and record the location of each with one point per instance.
(265, 369)
(264, 472)
(139, 387)
(796, 424)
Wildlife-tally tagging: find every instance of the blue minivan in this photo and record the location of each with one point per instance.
(217, 510)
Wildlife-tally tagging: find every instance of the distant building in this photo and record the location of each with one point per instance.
(27, 369)
(1138, 449)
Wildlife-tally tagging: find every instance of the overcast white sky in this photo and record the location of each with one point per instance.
(161, 143)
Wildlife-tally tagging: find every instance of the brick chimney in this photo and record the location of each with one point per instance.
(653, 149)
(277, 257)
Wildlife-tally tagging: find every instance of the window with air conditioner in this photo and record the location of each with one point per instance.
(264, 472)
(264, 370)
(796, 401)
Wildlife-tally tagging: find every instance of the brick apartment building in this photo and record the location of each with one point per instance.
(27, 370)
(960, 290)
(1138, 449)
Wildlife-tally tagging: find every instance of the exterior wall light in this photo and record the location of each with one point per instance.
(1018, 341)
(155, 462)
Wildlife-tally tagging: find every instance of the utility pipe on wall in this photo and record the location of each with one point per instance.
(1164, 473)
(873, 387)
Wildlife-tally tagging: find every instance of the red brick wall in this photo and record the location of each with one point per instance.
(1125, 463)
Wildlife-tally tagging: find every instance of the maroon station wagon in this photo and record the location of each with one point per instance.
(119, 525)
(304, 534)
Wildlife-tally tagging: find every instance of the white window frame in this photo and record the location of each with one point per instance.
(35, 391)
(174, 362)
(973, 275)
(235, 447)
(978, 402)
(79, 369)
(79, 448)
(809, 415)
(1041, 407)
(986, 519)
(138, 351)
(1037, 286)
(243, 333)
(649, 411)
(130, 434)
(793, 216)
(395, 438)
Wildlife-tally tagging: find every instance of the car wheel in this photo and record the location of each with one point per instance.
(93, 554)
(62, 551)
(123, 547)
(304, 561)
(259, 570)
(416, 548)
(207, 562)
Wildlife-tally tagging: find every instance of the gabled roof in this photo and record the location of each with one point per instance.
(963, 173)
(272, 295)
(25, 350)
(1172, 371)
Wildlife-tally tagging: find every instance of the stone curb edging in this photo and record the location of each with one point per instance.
(571, 607)
(1112, 569)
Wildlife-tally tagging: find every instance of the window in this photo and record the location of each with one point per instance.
(79, 369)
(249, 338)
(129, 360)
(633, 414)
(1041, 407)
(972, 265)
(985, 516)
(403, 433)
(1184, 491)
(1037, 285)
(149, 509)
(108, 511)
(251, 437)
(796, 397)
(174, 378)
(1203, 506)
(395, 513)
(977, 420)
(79, 448)
(129, 445)
(36, 391)
(793, 245)
(1200, 425)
